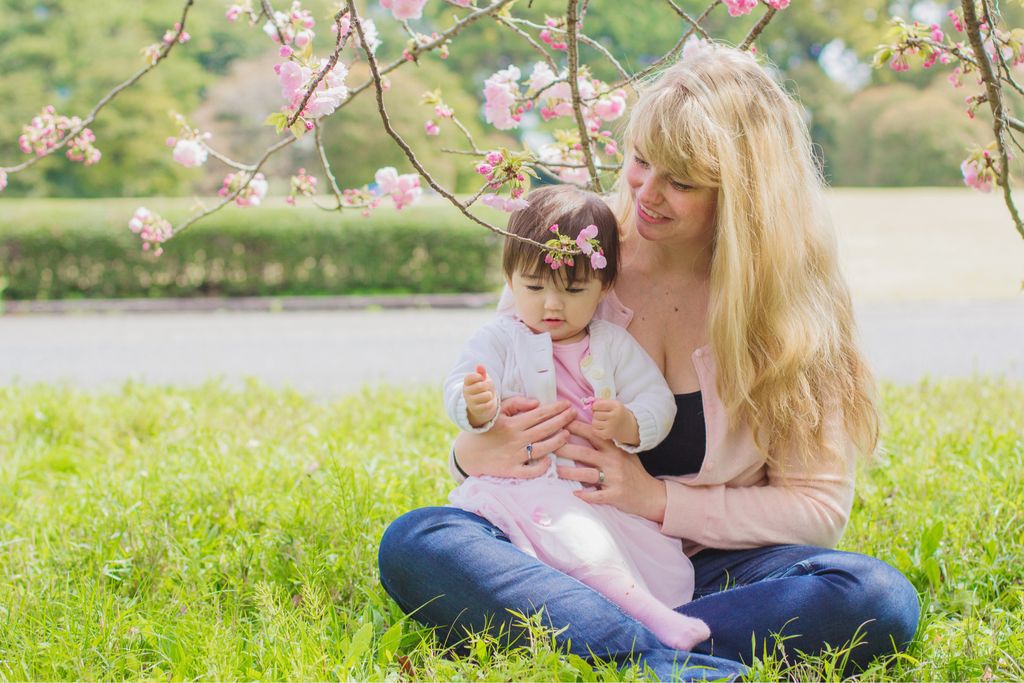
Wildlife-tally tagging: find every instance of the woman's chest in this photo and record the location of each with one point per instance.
(670, 331)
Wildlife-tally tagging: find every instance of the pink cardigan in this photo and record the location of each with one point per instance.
(737, 500)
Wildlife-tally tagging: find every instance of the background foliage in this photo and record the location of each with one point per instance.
(70, 53)
(53, 249)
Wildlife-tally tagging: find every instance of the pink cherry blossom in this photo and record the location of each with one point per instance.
(404, 9)
(740, 7)
(431, 128)
(189, 153)
(3, 180)
(443, 111)
(153, 229)
(251, 195)
(503, 203)
(494, 158)
(587, 233)
(463, 3)
(598, 260)
(501, 91)
(611, 106)
(541, 77)
(151, 53)
(404, 189)
(957, 23)
(778, 4)
(974, 177)
(372, 36)
(170, 33)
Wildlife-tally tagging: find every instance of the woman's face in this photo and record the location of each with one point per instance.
(668, 208)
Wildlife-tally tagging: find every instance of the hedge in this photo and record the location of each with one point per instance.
(58, 249)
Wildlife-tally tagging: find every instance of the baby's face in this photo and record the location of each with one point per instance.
(545, 304)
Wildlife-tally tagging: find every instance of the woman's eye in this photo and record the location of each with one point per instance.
(640, 162)
(680, 185)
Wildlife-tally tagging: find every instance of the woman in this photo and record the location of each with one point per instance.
(729, 280)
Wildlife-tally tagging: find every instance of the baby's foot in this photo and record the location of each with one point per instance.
(680, 631)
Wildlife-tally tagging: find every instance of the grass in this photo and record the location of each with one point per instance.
(212, 533)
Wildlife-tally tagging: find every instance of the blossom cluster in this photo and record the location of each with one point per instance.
(980, 170)
(295, 26)
(547, 35)
(302, 184)
(500, 168)
(403, 189)
(296, 78)
(153, 229)
(253, 192)
(48, 129)
(441, 111)
(561, 249)
(738, 8)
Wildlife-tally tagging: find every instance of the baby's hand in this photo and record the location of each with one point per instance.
(615, 422)
(481, 399)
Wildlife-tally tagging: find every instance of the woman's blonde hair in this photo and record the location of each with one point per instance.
(780, 321)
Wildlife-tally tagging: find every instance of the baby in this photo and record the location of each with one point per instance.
(553, 349)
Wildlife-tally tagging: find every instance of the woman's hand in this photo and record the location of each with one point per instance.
(620, 479)
(502, 450)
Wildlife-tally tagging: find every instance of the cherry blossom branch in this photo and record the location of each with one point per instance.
(269, 152)
(441, 39)
(106, 99)
(467, 134)
(674, 51)
(226, 160)
(375, 75)
(995, 103)
(543, 164)
(339, 45)
(571, 22)
(583, 38)
(530, 39)
(693, 22)
(326, 165)
(272, 18)
(758, 28)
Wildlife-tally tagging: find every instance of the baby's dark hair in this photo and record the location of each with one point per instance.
(573, 209)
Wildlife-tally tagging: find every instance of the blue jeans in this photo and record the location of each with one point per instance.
(456, 571)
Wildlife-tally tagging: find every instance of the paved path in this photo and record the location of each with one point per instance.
(327, 354)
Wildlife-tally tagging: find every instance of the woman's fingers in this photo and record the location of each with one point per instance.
(591, 476)
(550, 422)
(518, 404)
(533, 469)
(545, 447)
(586, 431)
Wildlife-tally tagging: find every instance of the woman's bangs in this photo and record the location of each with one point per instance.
(671, 133)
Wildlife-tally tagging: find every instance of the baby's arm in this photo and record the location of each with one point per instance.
(615, 422)
(487, 348)
(481, 398)
(642, 390)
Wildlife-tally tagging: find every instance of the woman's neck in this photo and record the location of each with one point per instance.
(686, 261)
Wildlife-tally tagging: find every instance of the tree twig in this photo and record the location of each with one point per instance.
(758, 28)
(106, 99)
(571, 22)
(379, 89)
(995, 102)
(339, 45)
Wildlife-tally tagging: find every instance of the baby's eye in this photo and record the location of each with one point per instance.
(535, 288)
(575, 290)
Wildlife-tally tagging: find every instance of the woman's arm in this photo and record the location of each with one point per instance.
(801, 503)
(501, 451)
(804, 503)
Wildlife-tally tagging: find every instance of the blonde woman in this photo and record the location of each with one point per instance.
(729, 279)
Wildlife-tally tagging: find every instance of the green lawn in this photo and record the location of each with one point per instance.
(165, 533)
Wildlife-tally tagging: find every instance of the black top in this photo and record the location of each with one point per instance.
(682, 451)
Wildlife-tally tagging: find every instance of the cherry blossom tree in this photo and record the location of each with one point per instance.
(558, 86)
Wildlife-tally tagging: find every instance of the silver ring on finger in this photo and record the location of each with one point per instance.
(600, 477)
(529, 453)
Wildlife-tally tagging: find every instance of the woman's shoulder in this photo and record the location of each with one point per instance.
(612, 310)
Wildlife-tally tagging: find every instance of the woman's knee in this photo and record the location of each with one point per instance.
(879, 598)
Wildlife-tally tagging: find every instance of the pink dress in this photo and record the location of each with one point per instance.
(624, 556)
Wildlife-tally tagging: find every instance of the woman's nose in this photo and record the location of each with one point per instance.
(650, 190)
